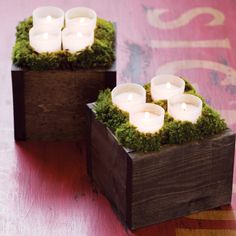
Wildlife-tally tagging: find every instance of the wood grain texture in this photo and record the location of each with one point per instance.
(180, 180)
(176, 181)
(55, 102)
(44, 189)
(109, 166)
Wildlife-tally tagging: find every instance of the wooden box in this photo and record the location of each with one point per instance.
(149, 188)
(51, 105)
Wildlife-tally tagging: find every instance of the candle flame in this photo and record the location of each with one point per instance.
(168, 85)
(184, 106)
(82, 20)
(130, 97)
(45, 35)
(146, 115)
(79, 35)
(48, 18)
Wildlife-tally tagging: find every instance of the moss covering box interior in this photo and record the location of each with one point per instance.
(100, 55)
(173, 131)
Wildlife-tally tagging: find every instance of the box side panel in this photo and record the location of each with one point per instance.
(109, 167)
(182, 179)
(18, 103)
(55, 102)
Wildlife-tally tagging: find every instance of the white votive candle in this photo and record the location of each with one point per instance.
(74, 40)
(185, 107)
(148, 118)
(52, 17)
(127, 96)
(165, 86)
(43, 39)
(81, 18)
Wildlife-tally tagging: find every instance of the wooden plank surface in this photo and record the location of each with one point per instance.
(44, 189)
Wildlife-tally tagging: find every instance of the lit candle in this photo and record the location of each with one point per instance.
(165, 86)
(185, 107)
(74, 40)
(127, 96)
(147, 117)
(44, 39)
(82, 19)
(52, 17)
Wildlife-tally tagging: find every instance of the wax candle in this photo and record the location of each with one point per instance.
(74, 40)
(82, 19)
(127, 96)
(52, 17)
(165, 86)
(43, 39)
(147, 117)
(185, 107)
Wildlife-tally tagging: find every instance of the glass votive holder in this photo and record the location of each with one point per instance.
(185, 107)
(49, 16)
(164, 87)
(74, 40)
(81, 18)
(147, 117)
(127, 96)
(44, 39)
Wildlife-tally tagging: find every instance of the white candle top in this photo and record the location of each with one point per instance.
(81, 18)
(165, 86)
(126, 96)
(185, 107)
(43, 39)
(74, 40)
(48, 16)
(148, 118)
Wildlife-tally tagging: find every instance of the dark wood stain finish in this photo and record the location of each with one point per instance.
(55, 101)
(18, 102)
(149, 188)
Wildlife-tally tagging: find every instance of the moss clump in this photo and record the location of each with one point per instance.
(173, 131)
(108, 113)
(131, 138)
(100, 55)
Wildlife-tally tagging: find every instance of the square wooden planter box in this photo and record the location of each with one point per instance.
(51, 105)
(149, 188)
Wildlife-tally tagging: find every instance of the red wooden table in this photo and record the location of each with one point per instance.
(44, 189)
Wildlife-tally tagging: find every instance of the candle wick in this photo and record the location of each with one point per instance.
(184, 106)
(49, 18)
(45, 35)
(146, 115)
(168, 85)
(130, 97)
(82, 20)
(79, 35)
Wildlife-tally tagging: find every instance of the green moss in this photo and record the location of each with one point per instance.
(100, 55)
(173, 131)
(131, 138)
(108, 113)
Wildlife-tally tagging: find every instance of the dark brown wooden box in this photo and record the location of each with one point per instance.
(51, 105)
(148, 188)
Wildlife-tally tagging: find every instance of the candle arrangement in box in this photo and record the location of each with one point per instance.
(60, 62)
(143, 126)
(160, 151)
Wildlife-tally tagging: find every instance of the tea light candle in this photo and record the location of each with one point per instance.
(185, 107)
(43, 39)
(52, 17)
(81, 18)
(165, 86)
(148, 118)
(127, 96)
(74, 40)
